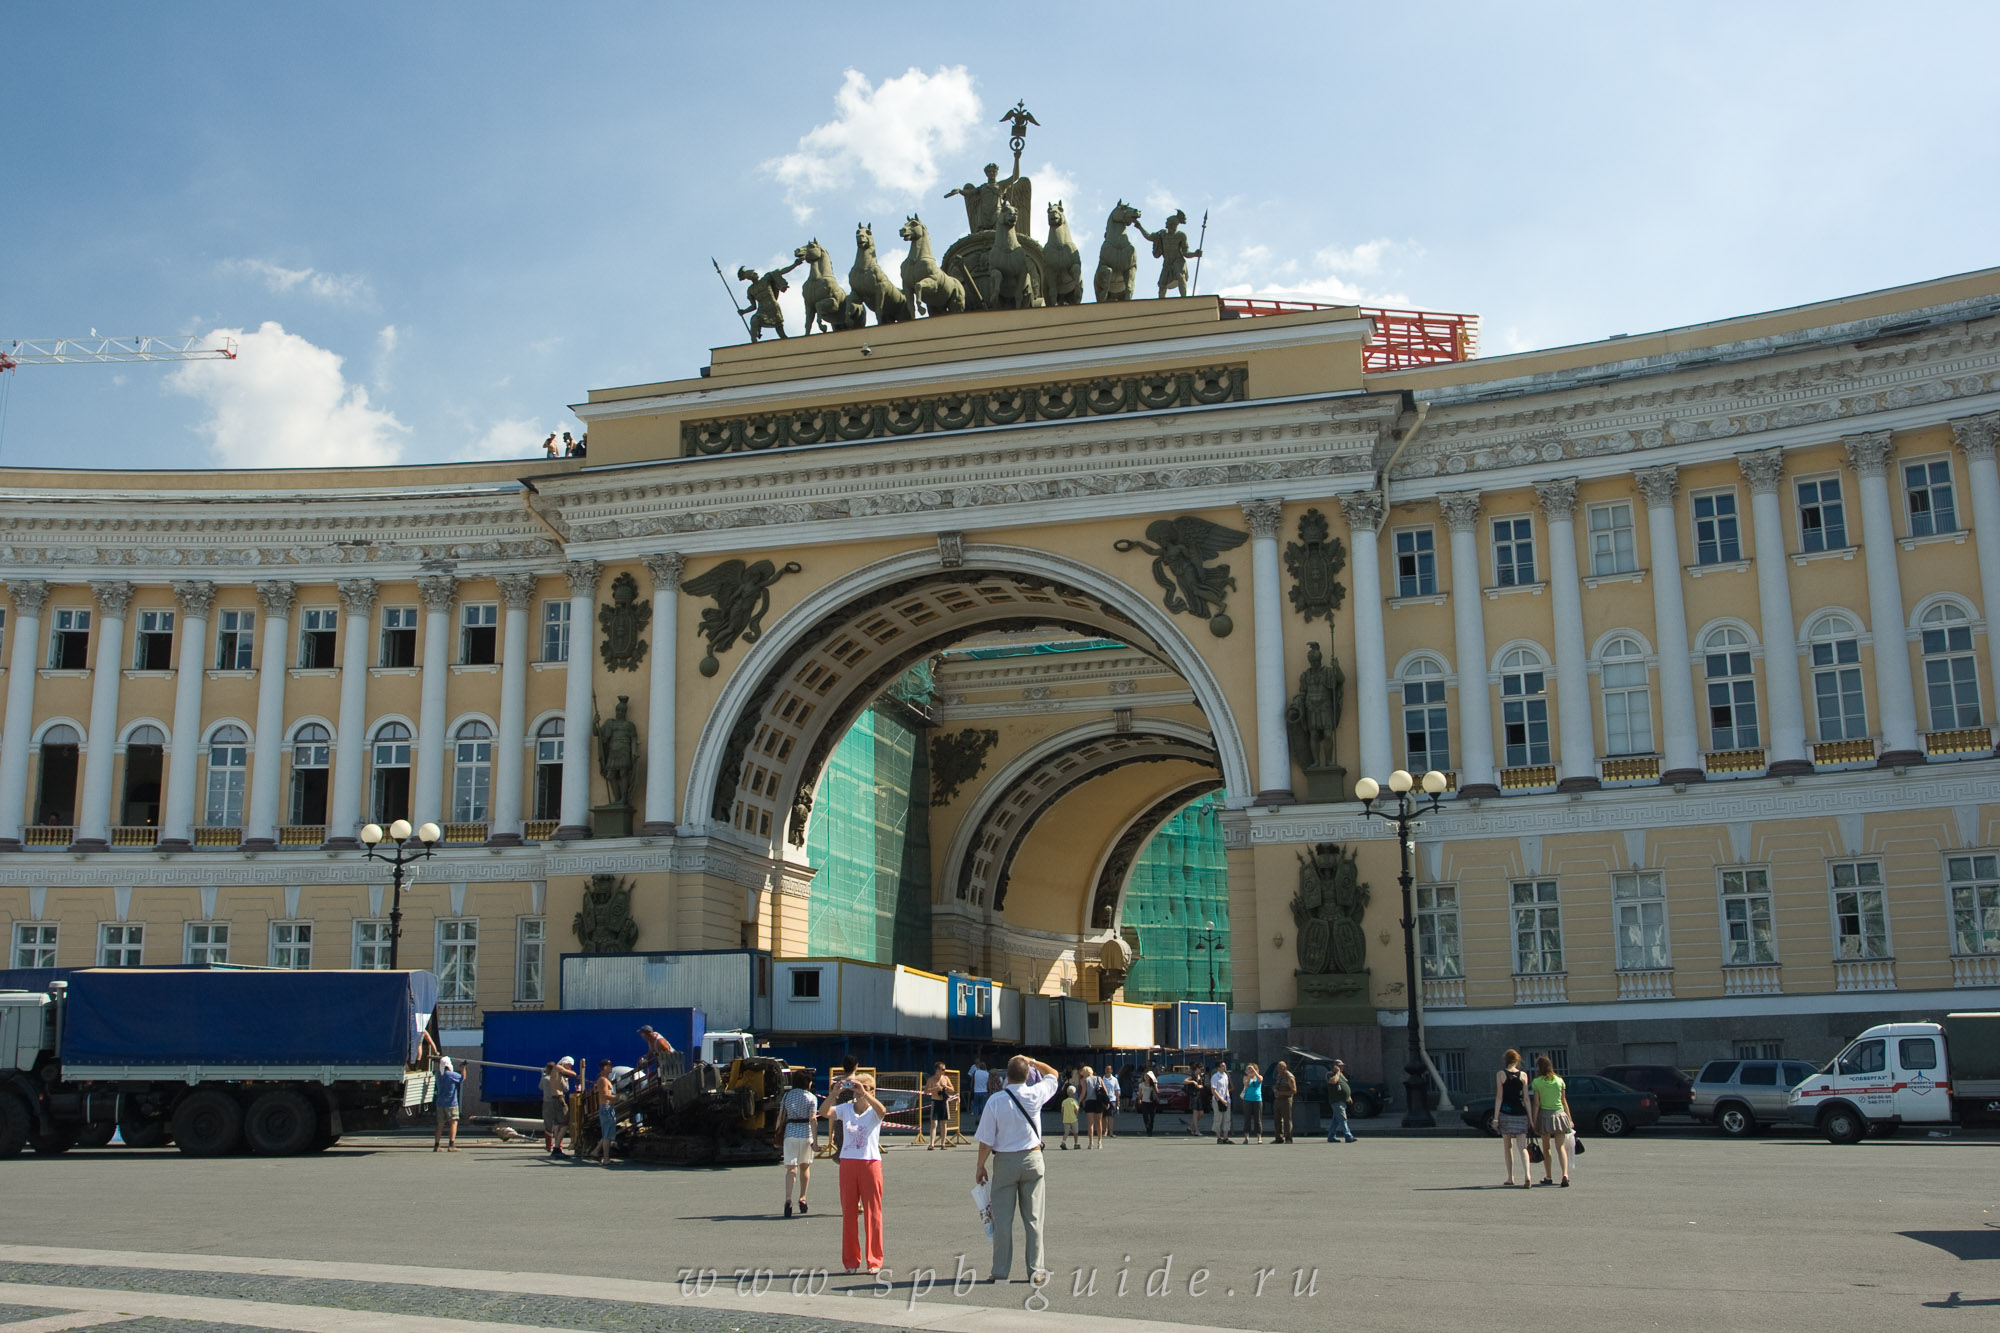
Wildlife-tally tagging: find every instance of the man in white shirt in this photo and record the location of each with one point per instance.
(1112, 1093)
(1010, 1139)
(976, 1077)
(1218, 1084)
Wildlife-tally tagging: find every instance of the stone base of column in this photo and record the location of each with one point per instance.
(1478, 791)
(1276, 796)
(258, 845)
(1676, 777)
(341, 845)
(1900, 759)
(1579, 784)
(1789, 768)
(571, 833)
(90, 845)
(504, 840)
(657, 828)
(174, 845)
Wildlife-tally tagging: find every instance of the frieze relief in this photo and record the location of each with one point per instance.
(255, 557)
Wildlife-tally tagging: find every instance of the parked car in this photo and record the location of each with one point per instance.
(1669, 1086)
(1597, 1103)
(1736, 1096)
(1313, 1072)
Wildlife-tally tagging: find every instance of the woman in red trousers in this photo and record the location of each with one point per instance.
(860, 1176)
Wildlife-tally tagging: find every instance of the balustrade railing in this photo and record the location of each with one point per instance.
(1864, 974)
(1651, 984)
(1751, 979)
(1541, 988)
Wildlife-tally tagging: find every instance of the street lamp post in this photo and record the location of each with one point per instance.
(1416, 1080)
(1206, 940)
(399, 834)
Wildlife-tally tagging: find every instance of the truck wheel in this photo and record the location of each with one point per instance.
(49, 1145)
(15, 1123)
(96, 1135)
(144, 1132)
(1843, 1125)
(1735, 1120)
(280, 1123)
(1611, 1123)
(1365, 1108)
(208, 1123)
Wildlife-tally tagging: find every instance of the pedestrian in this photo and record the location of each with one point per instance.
(1147, 1096)
(977, 1079)
(1218, 1083)
(657, 1049)
(1196, 1087)
(860, 1175)
(1114, 1096)
(796, 1114)
(1339, 1096)
(1069, 1109)
(606, 1097)
(1552, 1119)
(555, 1103)
(1510, 1115)
(1253, 1103)
(1010, 1156)
(1093, 1108)
(449, 1081)
(1283, 1086)
(942, 1095)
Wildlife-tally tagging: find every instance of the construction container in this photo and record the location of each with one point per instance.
(1037, 1021)
(1192, 1025)
(1007, 1014)
(867, 998)
(922, 1004)
(970, 1017)
(1069, 1022)
(1131, 1026)
(732, 986)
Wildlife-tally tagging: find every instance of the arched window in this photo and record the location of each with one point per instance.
(312, 751)
(1426, 729)
(55, 801)
(1732, 690)
(391, 782)
(1628, 697)
(1524, 709)
(1836, 673)
(228, 761)
(472, 773)
(548, 769)
(1951, 675)
(145, 754)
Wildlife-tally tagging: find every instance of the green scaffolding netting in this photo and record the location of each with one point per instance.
(1177, 900)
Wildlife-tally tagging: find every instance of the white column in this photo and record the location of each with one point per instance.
(1371, 671)
(1657, 486)
(1578, 738)
(197, 600)
(427, 794)
(93, 823)
(582, 576)
(1267, 616)
(1476, 774)
(661, 700)
(1870, 456)
(1786, 755)
(30, 595)
(350, 742)
(518, 592)
(1977, 436)
(260, 824)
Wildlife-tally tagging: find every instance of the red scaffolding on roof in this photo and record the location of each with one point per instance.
(1403, 338)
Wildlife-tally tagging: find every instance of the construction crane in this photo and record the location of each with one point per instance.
(71, 351)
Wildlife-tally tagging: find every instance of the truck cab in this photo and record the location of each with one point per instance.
(1891, 1075)
(27, 1030)
(719, 1048)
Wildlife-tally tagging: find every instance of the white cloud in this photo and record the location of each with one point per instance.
(284, 402)
(386, 340)
(510, 437)
(340, 288)
(1336, 275)
(892, 133)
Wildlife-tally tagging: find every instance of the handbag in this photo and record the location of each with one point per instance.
(1575, 1144)
(1534, 1151)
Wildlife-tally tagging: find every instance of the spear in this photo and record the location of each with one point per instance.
(1199, 246)
(739, 310)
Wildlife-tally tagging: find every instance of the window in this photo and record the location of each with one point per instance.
(371, 945)
(153, 646)
(292, 944)
(1451, 1068)
(120, 945)
(237, 630)
(317, 627)
(1437, 930)
(392, 772)
(1524, 709)
(555, 631)
(458, 961)
(1860, 911)
(399, 636)
(1927, 487)
(1416, 562)
(530, 948)
(1732, 690)
(1628, 698)
(69, 640)
(1426, 731)
(1951, 675)
(228, 759)
(1558, 1056)
(34, 944)
(1538, 938)
(1640, 900)
(1974, 882)
(1866, 1057)
(1759, 1050)
(207, 942)
(549, 769)
(1513, 552)
(1717, 537)
(1757, 1073)
(1836, 673)
(1611, 547)
(478, 633)
(1917, 1052)
(1747, 933)
(312, 751)
(1822, 515)
(805, 983)
(55, 800)
(472, 773)
(145, 755)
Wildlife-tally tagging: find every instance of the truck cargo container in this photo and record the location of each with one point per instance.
(532, 1037)
(731, 986)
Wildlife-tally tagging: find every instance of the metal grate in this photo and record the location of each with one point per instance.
(1403, 338)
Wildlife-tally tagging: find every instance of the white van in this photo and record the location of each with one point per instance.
(1899, 1074)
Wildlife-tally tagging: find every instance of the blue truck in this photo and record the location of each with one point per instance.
(211, 1059)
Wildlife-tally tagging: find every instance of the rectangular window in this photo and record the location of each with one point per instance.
(1437, 930)
(1558, 1056)
(1513, 552)
(228, 758)
(1758, 1050)
(1628, 708)
(1426, 732)
(317, 627)
(1951, 673)
(458, 961)
(399, 636)
(1974, 883)
(478, 633)
(1639, 898)
(234, 635)
(1451, 1068)
(1524, 719)
(1822, 515)
(371, 945)
(555, 631)
(530, 949)
(1732, 701)
(69, 639)
(1611, 547)
(805, 983)
(1538, 939)
(153, 645)
(34, 944)
(120, 945)
(207, 942)
(1416, 562)
(1860, 911)
(1717, 534)
(292, 944)
(1927, 487)
(1843, 714)
(1747, 933)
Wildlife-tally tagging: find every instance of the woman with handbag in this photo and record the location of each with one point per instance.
(1253, 1103)
(1510, 1115)
(1096, 1102)
(1148, 1098)
(1552, 1119)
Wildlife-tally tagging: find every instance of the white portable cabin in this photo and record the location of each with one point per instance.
(832, 995)
(1007, 1015)
(731, 986)
(1037, 1029)
(922, 1003)
(1131, 1026)
(1069, 1021)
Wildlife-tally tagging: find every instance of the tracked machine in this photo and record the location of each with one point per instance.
(709, 1114)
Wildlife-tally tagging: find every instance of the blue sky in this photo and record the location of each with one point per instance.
(437, 225)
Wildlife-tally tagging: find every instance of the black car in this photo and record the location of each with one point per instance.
(1670, 1087)
(1598, 1103)
(1313, 1074)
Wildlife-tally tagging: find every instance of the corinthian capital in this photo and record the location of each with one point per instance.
(113, 598)
(582, 576)
(357, 596)
(30, 595)
(517, 590)
(1461, 510)
(1657, 485)
(437, 590)
(1764, 470)
(666, 567)
(196, 596)
(1264, 516)
(1363, 510)
(1557, 499)
(1977, 435)
(1869, 454)
(277, 596)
